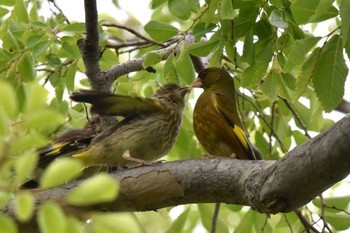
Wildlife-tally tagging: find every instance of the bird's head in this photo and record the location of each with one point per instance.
(171, 93)
(211, 78)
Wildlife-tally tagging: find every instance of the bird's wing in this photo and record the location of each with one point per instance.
(117, 105)
(229, 114)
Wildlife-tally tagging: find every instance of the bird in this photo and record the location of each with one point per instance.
(147, 132)
(216, 122)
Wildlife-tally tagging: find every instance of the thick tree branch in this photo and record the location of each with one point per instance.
(266, 186)
(343, 107)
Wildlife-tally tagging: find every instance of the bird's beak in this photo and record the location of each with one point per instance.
(196, 83)
(183, 91)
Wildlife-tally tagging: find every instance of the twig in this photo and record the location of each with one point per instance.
(305, 222)
(288, 223)
(297, 117)
(215, 218)
(262, 116)
(60, 10)
(132, 31)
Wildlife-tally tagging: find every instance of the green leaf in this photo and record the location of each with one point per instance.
(179, 223)
(330, 74)
(38, 120)
(277, 20)
(180, 8)
(35, 96)
(299, 137)
(299, 50)
(184, 68)
(253, 74)
(7, 224)
(202, 48)
(24, 206)
(24, 166)
(74, 27)
(312, 11)
(97, 189)
(306, 73)
(340, 202)
(169, 71)
(340, 222)
(113, 223)
(8, 100)
(51, 218)
(20, 10)
(70, 76)
(157, 3)
(74, 226)
(60, 171)
(226, 10)
(345, 25)
(151, 59)
(160, 31)
(25, 67)
(40, 48)
(268, 87)
(3, 11)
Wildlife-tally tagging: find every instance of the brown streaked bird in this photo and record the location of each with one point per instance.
(215, 118)
(147, 132)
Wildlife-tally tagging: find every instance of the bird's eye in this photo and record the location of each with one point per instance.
(202, 75)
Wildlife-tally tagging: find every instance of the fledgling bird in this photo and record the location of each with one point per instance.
(147, 132)
(215, 118)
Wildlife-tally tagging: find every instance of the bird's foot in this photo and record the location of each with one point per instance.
(140, 162)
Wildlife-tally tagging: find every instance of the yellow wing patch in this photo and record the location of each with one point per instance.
(236, 129)
(240, 135)
(81, 155)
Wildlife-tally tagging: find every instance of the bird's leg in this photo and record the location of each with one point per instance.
(140, 162)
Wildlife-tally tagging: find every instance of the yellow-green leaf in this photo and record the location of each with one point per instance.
(25, 67)
(24, 206)
(7, 224)
(24, 167)
(60, 171)
(51, 218)
(97, 189)
(151, 59)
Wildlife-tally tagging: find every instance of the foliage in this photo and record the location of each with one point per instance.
(278, 62)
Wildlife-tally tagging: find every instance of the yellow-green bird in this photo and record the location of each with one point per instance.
(147, 132)
(215, 118)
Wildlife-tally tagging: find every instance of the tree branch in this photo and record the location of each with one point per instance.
(266, 186)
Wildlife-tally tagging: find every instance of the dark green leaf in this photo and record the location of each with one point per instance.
(345, 25)
(313, 10)
(151, 59)
(298, 52)
(330, 74)
(184, 68)
(277, 20)
(25, 67)
(226, 10)
(169, 71)
(180, 9)
(20, 10)
(160, 31)
(252, 75)
(202, 48)
(307, 71)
